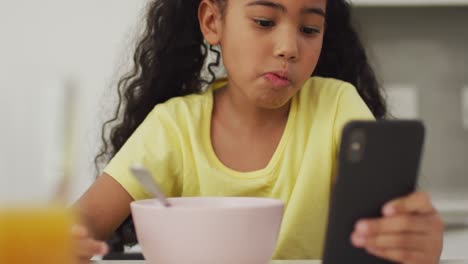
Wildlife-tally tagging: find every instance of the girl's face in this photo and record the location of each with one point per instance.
(271, 47)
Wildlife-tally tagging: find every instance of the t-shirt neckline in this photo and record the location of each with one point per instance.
(213, 158)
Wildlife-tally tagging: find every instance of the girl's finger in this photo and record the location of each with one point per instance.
(418, 202)
(399, 255)
(88, 248)
(403, 241)
(395, 224)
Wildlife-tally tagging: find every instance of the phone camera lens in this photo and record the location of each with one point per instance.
(355, 150)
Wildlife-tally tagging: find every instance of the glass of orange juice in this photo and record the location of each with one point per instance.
(35, 223)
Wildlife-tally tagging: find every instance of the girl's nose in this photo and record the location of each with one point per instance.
(287, 45)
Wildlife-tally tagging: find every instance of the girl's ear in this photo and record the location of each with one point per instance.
(209, 17)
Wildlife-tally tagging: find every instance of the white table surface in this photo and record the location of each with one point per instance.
(273, 262)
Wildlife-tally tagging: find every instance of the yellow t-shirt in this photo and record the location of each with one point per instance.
(174, 143)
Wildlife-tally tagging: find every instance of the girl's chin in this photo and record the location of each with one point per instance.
(272, 102)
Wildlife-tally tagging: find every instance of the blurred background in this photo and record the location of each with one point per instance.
(60, 61)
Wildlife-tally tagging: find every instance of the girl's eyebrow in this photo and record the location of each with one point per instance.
(282, 8)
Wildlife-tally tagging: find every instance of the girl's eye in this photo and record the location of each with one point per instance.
(264, 23)
(310, 31)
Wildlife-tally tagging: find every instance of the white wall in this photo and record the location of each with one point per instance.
(43, 45)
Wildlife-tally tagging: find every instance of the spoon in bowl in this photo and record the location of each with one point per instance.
(147, 181)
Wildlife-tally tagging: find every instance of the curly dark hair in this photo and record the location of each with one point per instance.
(170, 56)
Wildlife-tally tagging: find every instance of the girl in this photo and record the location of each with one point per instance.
(296, 73)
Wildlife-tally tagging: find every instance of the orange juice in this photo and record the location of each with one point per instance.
(36, 235)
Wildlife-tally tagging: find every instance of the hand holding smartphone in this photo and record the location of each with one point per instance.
(378, 162)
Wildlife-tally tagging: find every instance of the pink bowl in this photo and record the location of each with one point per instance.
(208, 230)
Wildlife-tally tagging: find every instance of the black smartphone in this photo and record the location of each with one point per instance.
(378, 161)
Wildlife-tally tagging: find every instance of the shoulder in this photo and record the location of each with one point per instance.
(194, 106)
(183, 107)
(337, 100)
(328, 96)
(328, 89)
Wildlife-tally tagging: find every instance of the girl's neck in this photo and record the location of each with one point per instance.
(231, 107)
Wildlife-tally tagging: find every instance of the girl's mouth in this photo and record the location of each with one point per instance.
(278, 81)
